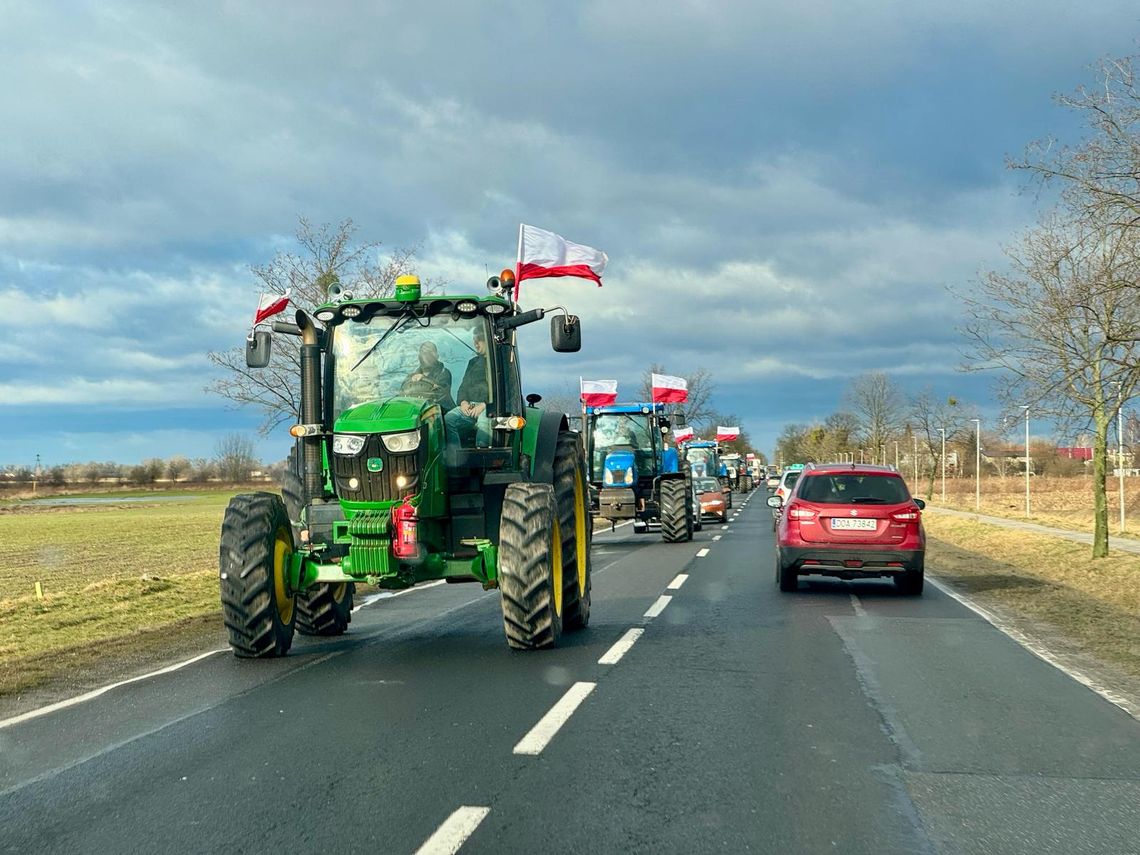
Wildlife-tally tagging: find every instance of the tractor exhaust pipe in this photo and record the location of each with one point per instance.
(310, 404)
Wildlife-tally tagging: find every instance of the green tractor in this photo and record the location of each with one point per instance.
(399, 476)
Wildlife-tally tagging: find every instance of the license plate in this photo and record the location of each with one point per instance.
(843, 524)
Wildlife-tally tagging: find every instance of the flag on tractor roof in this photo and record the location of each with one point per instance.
(682, 434)
(597, 393)
(543, 253)
(269, 305)
(727, 434)
(668, 389)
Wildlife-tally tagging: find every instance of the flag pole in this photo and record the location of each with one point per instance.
(518, 263)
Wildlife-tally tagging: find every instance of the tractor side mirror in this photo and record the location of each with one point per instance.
(565, 333)
(257, 347)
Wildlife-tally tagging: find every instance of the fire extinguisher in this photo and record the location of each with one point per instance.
(405, 545)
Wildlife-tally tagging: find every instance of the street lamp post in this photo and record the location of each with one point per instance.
(1026, 408)
(977, 464)
(943, 432)
(1120, 457)
(915, 438)
(896, 454)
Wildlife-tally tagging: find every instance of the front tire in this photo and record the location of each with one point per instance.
(577, 529)
(676, 512)
(323, 609)
(257, 543)
(530, 566)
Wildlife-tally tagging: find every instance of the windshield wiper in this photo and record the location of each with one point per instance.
(868, 500)
(396, 323)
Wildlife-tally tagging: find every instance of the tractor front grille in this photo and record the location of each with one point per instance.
(376, 486)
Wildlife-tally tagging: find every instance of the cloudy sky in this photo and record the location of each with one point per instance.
(785, 190)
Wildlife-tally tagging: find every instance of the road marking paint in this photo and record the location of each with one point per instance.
(658, 606)
(450, 836)
(387, 595)
(621, 647)
(724, 528)
(716, 537)
(541, 734)
(678, 582)
(858, 606)
(70, 702)
(1039, 651)
(702, 552)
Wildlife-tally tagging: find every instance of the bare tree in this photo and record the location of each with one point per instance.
(234, 457)
(930, 415)
(877, 404)
(329, 255)
(1056, 327)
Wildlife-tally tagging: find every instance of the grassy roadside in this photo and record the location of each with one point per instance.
(1094, 604)
(109, 574)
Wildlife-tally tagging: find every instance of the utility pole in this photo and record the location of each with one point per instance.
(1026, 408)
(896, 455)
(977, 464)
(1120, 456)
(943, 432)
(915, 437)
(36, 475)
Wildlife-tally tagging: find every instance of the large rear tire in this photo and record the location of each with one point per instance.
(323, 609)
(531, 584)
(257, 543)
(676, 511)
(577, 529)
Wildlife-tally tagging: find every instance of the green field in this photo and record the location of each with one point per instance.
(109, 573)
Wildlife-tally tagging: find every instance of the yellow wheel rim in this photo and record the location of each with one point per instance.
(556, 567)
(282, 551)
(581, 534)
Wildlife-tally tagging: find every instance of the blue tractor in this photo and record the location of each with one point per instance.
(633, 475)
(702, 456)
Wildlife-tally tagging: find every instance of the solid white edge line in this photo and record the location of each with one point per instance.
(94, 693)
(388, 595)
(1037, 650)
(549, 725)
(450, 836)
(678, 582)
(701, 553)
(658, 606)
(621, 647)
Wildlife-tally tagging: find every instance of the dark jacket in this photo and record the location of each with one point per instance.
(473, 389)
(440, 377)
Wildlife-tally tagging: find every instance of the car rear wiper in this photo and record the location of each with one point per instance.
(868, 500)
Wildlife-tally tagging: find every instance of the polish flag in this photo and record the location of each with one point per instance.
(682, 434)
(668, 389)
(270, 305)
(543, 253)
(727, 434)
(598, 393)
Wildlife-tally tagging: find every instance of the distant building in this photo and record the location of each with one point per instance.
(1075, 453)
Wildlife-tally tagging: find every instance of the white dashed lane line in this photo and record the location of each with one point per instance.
(716, 537)
(658, 606)
(703, 552)
(621, 647)
(549, 725)
(450, 836)
(678, 582)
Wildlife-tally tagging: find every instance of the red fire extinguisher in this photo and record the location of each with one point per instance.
(404, 524)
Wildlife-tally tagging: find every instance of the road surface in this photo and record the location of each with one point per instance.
(734, 718)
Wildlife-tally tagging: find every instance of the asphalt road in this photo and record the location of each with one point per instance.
(843, 718)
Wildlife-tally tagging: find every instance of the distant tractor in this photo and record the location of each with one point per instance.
(634, 476)
(400, 476)
(703, 459)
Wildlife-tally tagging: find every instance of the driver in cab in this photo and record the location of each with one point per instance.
(430, 379)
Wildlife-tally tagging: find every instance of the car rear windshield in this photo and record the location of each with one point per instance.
(707, 485)
(852, 489)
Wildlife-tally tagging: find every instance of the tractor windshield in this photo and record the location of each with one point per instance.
(623, 430)
(700, 461)
(435, 358)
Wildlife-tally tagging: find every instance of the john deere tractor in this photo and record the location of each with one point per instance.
(634, 476)
(416, 459)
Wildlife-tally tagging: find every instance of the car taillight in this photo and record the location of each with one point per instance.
(795, 512)
(903, 516)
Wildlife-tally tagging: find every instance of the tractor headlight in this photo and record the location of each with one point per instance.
(398, 442)
(346, 443)
(617, 476)
(629, 476)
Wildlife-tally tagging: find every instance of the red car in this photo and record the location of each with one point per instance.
(852, 521)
